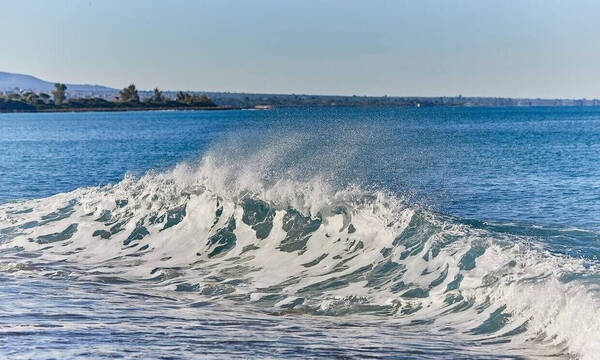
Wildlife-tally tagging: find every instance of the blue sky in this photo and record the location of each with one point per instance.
(543, 48)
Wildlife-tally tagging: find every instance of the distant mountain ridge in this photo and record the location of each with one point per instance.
(10, 81)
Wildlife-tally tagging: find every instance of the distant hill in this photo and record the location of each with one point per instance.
(10, 81)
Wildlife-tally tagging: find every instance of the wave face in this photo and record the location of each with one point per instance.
(303, 247)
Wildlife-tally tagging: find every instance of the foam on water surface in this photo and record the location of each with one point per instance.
(225, 235)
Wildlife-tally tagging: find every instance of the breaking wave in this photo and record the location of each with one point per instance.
(302, 246)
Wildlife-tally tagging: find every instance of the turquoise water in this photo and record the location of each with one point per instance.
(275, 233)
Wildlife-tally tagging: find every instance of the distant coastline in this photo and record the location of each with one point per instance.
(127, 100)
(25, 93)
(124, 109)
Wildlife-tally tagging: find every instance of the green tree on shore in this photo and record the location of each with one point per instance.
(129, 94)
(59, 93)
(193, 100)
(182, 97)
(157, 97)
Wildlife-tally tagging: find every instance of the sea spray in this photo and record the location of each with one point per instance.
(305, 246)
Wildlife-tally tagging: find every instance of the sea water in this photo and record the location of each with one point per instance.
(301, 233)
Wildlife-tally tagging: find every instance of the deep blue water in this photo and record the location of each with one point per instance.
(537, 165)
(301, 233)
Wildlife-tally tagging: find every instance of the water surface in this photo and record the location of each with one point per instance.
(279, 233)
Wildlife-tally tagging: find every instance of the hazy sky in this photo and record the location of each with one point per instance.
(543, 48)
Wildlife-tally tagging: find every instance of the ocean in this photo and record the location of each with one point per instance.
(421, 233)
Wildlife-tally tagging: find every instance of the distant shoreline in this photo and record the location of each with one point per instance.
(265, 107)
(166, 108)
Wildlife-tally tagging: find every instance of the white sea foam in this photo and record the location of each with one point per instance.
(227, 232)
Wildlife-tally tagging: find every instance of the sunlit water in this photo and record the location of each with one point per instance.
(413, 233)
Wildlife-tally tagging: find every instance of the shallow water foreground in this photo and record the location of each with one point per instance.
(91, 320)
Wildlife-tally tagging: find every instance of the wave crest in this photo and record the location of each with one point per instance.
(302, 246)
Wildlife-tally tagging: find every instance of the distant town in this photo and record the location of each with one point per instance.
(25, 93)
